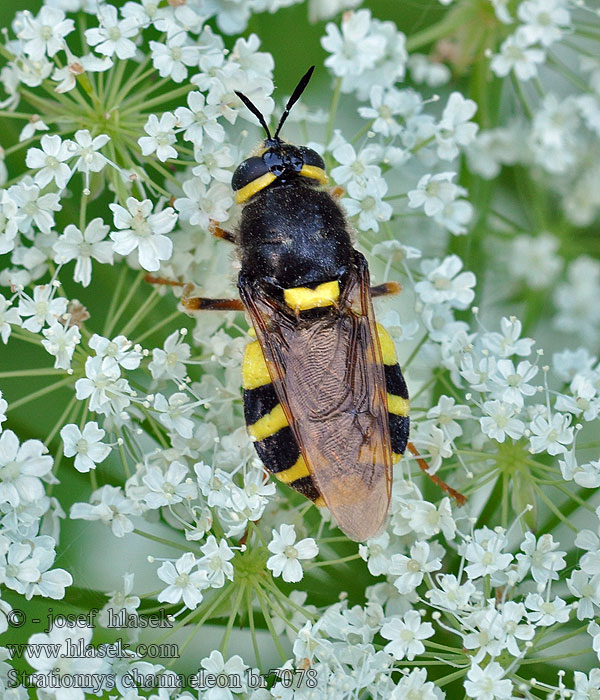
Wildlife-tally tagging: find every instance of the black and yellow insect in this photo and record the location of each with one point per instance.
(324, 397)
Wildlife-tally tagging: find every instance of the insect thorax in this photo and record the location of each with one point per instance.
(294, 235)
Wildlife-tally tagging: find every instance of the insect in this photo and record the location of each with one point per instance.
(324, 396)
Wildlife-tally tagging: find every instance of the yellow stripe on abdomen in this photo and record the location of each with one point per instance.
(270, 424)
(388, 350)
(296, 471)
(254, 367)
(304, 298)
(397, 405)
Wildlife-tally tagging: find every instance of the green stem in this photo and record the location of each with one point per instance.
(37, 394)
(335, 100)
(162, 540)
(232, 616)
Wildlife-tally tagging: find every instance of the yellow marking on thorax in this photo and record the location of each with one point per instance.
(320, 502)
(254, 367)
(303, 298)
(314, 173)
(247, 191)
(396, 457)
(388, 350)
(397, 405)
(268, 425)
(296, 471)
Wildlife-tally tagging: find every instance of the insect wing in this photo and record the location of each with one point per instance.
(329, 377)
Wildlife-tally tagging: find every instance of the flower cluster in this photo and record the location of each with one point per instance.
(128, 127)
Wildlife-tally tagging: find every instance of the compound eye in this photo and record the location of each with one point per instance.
(311, 157)
(274, 162)
(248, 171)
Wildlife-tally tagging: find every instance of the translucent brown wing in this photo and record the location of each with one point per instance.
(329, 377)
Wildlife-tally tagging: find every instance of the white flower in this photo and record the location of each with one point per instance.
(66, 77)
(171, 58)
(234, 667)
(199, 119)
(169, 361)
(3, 407)
(119, 349)
(216, 561)
(586, 589)
(49, 160)
(287, 553)
(175, 413)
(161, 137)
(367, 202)
(516, 54)
(451, 595)
(455, 129)
(107, 390)
(455, 216)
(114, 35)
(443, 285)
(86, 150)
(375, 553)
(352, 49)
(411, 570)
(416, 685)
(109, 505)
(543, 20)
(546, 612)
(45, 34)
(534, 260)
(508, 342)
(9, 315)
(163, 489)
(510, 384)
(42, 309)
(512, 614)
(485, 553)
(61, 342)
(183, 582)
(355, 168)
(586, 686)
(34, 207)
(385, 104)
(82, 247)
(433, 193)
(406, 635)
(500, 421)
(21, 469)
(551, 436)
(488, 683)
(9, 222)
(143, 230)
(87, 446)
(214, 162)
(202, 205)
(541, 557)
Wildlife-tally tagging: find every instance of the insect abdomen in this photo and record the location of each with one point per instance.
(274, 441)
(397, 394)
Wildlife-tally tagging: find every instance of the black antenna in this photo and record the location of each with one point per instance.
(254, 111)
(294, 98)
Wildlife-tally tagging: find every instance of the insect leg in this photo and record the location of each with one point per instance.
(382, 290)
(205, 304)
(219, 232)
(197, 303)
(458, 497)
